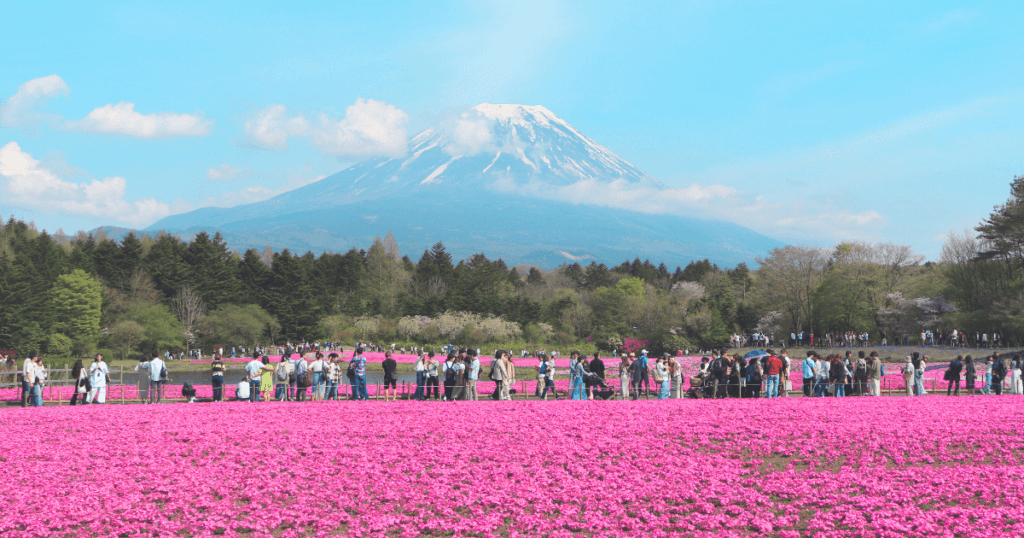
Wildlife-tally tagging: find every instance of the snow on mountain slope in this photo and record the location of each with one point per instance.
(524, 160)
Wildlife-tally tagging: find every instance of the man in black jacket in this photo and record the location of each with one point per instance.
(953, 376)
(597, 368)
(998, 373)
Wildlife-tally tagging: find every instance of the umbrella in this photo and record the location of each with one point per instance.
(756, 354)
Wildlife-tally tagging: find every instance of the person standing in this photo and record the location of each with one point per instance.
(807, 367)
(1015, 379)
(821, 381)
(98, 374)
(636, 375)
(665, 377)
(624, 377)
(908, 375)
(266, 379)
(987, 389)
(333, 374)
(953, 376)
(316, 368)
(754, 377)
(157, 376)
(785, 384)
(27, 378)
(359, 364)
(919, 376)
(838, 375)
(472, 376)
(458, 389)
(293, 374)
(33, 375)
(431, 376)
(79, 374)
(875, 375)
(390, 377)
(281, 373)
(510, 374)
(644, 372)
(674, 369)
(998, 370)
(500, 375)
(970, 374)
(421, 376)
(217, 378)
(576, 387)
(254, 370)
(449, 376)
(772, 367)
(546, 375)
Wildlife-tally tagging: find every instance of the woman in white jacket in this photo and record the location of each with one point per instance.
(1015, 377)
(98, 372)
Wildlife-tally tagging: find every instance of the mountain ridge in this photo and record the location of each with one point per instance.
(472, 183)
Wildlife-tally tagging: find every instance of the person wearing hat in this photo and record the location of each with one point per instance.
(908, 375)
(645, 379)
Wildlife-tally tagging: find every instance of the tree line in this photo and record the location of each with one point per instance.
(71, 295)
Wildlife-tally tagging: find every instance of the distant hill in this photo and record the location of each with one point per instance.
(489, 194)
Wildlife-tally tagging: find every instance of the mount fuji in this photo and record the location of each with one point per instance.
(511, 181)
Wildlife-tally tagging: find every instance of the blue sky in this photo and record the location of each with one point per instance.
(875, 121)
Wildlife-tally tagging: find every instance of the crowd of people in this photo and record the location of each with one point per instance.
(455, 376)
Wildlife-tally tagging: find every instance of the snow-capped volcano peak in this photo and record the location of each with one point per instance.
(517, 114)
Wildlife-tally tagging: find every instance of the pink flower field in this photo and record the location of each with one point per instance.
(896, 467)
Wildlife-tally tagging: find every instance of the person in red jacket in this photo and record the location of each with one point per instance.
(773, 367)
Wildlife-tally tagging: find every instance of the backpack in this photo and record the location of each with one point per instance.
(491, 374)
(718, 367)
(163, 373)
(281, 374)
(449, 374)
(754, 373)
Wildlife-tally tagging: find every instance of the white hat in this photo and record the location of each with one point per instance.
(644, 351)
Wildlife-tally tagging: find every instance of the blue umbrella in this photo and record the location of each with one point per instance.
(756, 354)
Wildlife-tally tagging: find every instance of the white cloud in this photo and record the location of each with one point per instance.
(271, 127)
(368, 128)
(469, 133)
(225, 172)
(122, 119)
(799, 220)
(25, 183)
(19, 109)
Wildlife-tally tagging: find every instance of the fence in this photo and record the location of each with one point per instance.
(60, 387)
